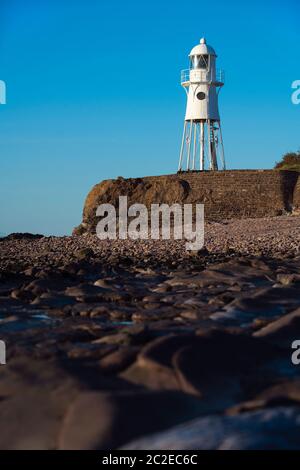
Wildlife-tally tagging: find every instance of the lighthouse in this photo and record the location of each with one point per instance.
(202, 142)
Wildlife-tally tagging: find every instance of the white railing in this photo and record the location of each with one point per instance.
(185, 76)
(203, 76)
(220, 76)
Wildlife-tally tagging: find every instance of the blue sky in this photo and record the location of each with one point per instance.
(93, 92)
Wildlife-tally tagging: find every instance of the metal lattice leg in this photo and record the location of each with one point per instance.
(222, 148)
(189, 146)
(182, 147)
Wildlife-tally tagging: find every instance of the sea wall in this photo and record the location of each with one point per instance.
(225, 194)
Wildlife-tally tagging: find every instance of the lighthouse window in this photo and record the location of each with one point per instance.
(201, 95)
(199, 62)
(203, 61)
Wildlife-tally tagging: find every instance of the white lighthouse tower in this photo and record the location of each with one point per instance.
(202, 143)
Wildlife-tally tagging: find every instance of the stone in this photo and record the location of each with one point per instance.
(102, 283)
(118, 360)
(91, 350)
(216, 361)
(287, 279)
(283, 331)
(34, 397)
(153, 367)
(52, 300)
(84, 253)
(20, 294)
(286, 393)
(270, 429)
(85, 290)
(111, 420)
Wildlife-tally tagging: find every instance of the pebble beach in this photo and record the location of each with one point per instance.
(146, 345)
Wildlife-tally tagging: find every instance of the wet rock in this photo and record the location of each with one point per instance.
(267, 303)
(39, 286)
(201, 365)
(160, 351)
(283, 331)
(52, 300)
(190, 315)
(102, 283)
(99, 311)
(30, 272)
(270, 429)
(92, 350)
(153, 367)
(162, 289)
(150, 315)
(114, 296)
(33, 401)
(216, 361)
(116, 338)
(83, 291)
(286, 393)
(105, 418)
(287, 279)
(120, 315)
(118, 360)
(101, 320)
(230, 274)
(21, 294)
(78, 308)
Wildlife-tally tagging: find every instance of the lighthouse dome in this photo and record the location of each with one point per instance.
(202, 49)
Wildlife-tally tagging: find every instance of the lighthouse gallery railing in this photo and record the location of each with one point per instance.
(203, 76)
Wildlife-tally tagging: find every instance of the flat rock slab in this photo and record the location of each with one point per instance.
(104, 421)
(277, 428)
(110, 341)
(283, 331)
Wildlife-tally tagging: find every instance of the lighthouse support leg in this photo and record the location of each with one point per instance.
(213, 147)
(182, 147)
(201, 146)
(189, 146)
(222, 148)
(209, 145)
(195, 145)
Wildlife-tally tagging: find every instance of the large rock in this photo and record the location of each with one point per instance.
(166, 189)
(216, 366)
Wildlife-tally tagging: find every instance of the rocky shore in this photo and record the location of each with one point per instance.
(142, 344)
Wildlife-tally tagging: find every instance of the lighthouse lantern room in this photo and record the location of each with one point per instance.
(202, 142)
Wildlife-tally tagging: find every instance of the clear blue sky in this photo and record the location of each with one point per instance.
(93, 92)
